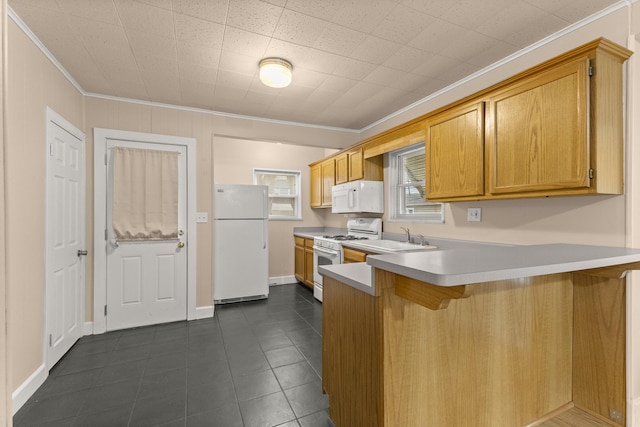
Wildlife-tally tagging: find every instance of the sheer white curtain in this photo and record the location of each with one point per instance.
(145, 194)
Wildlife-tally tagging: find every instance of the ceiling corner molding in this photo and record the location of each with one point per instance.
(218, 113)
(20, 23)
(613, 8)
(30, 34)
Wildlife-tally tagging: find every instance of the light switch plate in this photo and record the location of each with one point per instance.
(202, 217)
(474, 214)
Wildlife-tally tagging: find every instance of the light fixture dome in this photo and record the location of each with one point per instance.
(275, 72)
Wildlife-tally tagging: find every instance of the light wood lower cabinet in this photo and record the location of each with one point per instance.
(303, 260)
(506, 354)
(352, 255)
(308, 262)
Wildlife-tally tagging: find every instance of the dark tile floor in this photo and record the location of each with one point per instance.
(254, 364)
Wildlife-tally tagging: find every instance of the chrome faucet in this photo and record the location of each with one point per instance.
(408, 234)
(422, 241)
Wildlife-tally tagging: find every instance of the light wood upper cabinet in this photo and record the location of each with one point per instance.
(342, 168)
(322, 178)
(553, 130)
(328, 173)
(454, 152)
(315, 186)
(537, 132)
(356, 164)
(349, 165)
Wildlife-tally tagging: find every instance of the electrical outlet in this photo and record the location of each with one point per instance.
(202, 217)
(474, 214)
(615, 415)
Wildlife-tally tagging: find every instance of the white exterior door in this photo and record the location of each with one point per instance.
(147, 280)
(65, 230)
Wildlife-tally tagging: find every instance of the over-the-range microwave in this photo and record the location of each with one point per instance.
(358, 196)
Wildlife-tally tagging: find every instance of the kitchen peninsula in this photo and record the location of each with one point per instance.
(503, 336)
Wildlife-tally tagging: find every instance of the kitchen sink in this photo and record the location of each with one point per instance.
(391, 246)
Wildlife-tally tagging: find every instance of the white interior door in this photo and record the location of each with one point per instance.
(147, 280)
(65, 229)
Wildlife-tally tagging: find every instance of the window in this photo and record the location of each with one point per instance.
(407, 187)
(284, 192)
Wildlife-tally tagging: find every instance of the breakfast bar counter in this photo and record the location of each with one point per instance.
(506, 336)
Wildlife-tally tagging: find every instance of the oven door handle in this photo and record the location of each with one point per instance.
(325, 251)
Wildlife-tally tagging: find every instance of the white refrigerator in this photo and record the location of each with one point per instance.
(240, 243)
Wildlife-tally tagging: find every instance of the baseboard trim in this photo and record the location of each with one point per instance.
(282, 280)
(204, 312)
(633, 412)
(87, 328)
(27, 388)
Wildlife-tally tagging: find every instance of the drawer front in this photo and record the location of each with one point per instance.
(299, 240)
(308, 243)
(351, 255)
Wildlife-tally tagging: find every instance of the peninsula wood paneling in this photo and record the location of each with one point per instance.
(573, 417)
(499, 358)
(351, 352)
(599, 346)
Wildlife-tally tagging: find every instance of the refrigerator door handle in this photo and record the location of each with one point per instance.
(265, 204)
(265, 230)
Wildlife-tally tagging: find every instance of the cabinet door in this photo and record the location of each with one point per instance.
(352, 255)
(308, 266)
(315, 190)
(356, 164)
(342, 168)
(455, 152)
(537, 135)
(328, 180)
(299, 261)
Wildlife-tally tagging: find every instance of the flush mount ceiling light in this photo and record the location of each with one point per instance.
(275, 72)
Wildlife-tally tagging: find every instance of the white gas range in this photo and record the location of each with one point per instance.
(327, 250)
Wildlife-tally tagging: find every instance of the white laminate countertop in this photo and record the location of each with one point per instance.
(477, 264)
(464, 266)
(358, 275)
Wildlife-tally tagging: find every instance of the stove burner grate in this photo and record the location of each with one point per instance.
(345, 237)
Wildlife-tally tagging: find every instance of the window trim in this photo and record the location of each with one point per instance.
(394, 194)
(297, 197)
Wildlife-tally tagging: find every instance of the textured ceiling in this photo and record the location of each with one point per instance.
(355, 61)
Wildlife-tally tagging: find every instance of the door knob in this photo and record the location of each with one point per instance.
(181, 244)
(82, 252)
